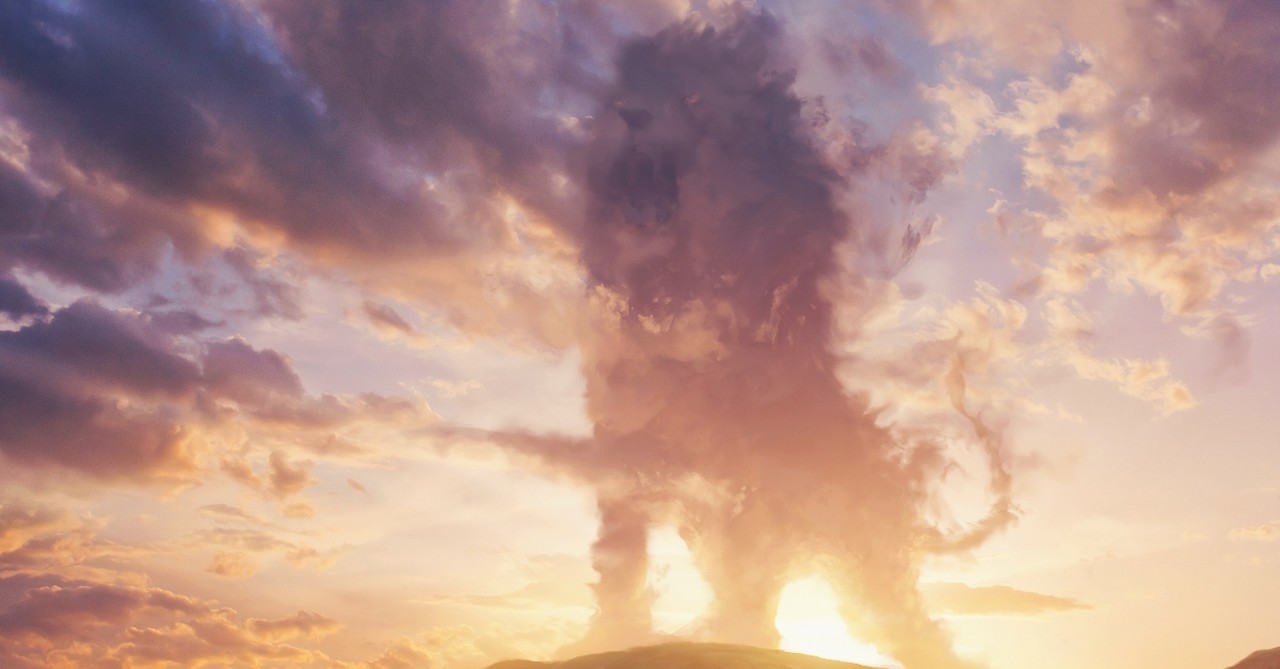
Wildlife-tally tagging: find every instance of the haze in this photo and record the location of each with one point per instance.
(927, 334)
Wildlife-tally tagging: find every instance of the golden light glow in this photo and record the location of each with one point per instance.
(682, 593)
(810, 623)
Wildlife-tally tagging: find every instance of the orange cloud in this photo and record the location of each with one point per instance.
(232, 565)
(1265, 532)
(302, 623)
(994, 600)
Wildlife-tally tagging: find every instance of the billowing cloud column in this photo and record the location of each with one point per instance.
(711, 376)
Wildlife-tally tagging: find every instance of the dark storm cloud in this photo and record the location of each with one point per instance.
(383, 139)
(1213, 81)
(117, 395)
(179, 322)
(58, 384)
(477, 94)
(87, 434)
(236, 370)
(102, 349)
(457, 77)
(190, 104)
(84, 235)
(17, 301)
(20, 204)
(269, 294)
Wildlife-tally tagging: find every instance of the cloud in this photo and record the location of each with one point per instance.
(60, 613)
(55, 378)
(647, 183)
(266, 127)
(271, 133)
(89, 435)
(450, 389)
(232, 565)
(76, 623)
(228, 512)
(302, 623)
(104, 349)
(405, 653)
(286, 478)
(711, 374)
(994, 600)
(63, 604)
(1265, 532)
(390, 324)
(260, 540)
(1148, 145)
(179, 322)
(16, 301)
(386, 318)
(1155, 153)
(237, 371)
(298, 509)
(113, 395)
(38, 542)
(1147, 379)
(83, 233)
(19, 523)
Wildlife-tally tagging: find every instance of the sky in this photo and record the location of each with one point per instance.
(924, 333)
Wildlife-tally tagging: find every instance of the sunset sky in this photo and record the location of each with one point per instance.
(429, 333)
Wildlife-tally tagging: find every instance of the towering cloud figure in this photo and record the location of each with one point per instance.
(710, 247)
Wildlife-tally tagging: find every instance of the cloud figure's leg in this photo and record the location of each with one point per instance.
(621, 559)
(881, 604)
(745, 561)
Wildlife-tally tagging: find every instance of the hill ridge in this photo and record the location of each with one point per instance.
(687, 655)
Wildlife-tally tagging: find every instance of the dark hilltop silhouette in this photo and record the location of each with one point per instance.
(1263, 659)
(688, 655)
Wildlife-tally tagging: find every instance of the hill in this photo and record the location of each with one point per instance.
(1263, 659)
(687, 655)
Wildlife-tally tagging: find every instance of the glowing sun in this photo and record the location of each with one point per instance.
(808, 616)
(809, 621)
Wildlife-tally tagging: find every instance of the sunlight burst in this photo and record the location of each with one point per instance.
(810, 623)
